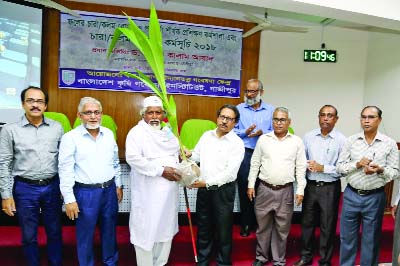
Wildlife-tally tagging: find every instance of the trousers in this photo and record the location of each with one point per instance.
(33, 202)
(96, 205)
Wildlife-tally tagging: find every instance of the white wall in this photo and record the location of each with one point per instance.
(382, 84)
(382, 80)
(305, 87)
(383, 8)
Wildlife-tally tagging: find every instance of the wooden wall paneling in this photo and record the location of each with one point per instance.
(389, 192)
(50, 47)
(124, 107)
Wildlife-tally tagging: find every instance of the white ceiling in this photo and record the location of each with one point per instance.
(288, 12)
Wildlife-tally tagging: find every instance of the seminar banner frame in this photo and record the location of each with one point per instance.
(199, 59)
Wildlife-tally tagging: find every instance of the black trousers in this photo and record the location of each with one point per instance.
(214, 209)
(247, 216)
(321, 203)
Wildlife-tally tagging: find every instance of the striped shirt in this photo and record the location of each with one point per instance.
(382, 151)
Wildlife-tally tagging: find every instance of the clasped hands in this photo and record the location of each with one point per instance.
(369, 167)
(315, 167)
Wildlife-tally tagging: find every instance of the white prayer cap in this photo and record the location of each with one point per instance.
(153, 101)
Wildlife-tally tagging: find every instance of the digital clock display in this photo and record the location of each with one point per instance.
(328, 56)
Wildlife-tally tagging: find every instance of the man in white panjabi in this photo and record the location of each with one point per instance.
(153, 155)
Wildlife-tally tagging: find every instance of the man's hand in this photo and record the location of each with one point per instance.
(315, 167)
(251, 193)
(72, 210)
(187, 153)
(255, 134)
(373, 168)
(363, 162)
(299, 199)
(394, 208)
(171, 174)
(8, 206)
(198, 184)
(120, 194)
(250, 129)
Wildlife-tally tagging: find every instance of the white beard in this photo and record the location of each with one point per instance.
(87, 126)
(155, 126)
(96, 126)
(252, 101)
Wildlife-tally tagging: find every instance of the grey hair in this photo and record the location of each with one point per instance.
(260, 84)
(283, 109)
(144, 109)
(86, 100)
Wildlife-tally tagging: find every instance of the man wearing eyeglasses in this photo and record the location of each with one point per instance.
(29, 183)
(90, 182)
(220, 152)
(278, 160)
(369, 160)
(255, 120)
(322, 192)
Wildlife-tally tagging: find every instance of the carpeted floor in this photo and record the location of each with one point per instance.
(181, 253)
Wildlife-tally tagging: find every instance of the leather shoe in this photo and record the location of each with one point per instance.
(245, 231)
(302, 262)
(257, 263)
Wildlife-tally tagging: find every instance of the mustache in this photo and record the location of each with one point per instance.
(35, 108)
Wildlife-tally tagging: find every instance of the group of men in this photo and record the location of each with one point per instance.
(40, 167)
(368, 160)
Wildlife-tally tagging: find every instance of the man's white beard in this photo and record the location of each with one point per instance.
(155, 126)
(252, 101)
(96, 126)
(91, 126)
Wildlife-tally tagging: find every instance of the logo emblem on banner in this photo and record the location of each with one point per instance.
(68, 76)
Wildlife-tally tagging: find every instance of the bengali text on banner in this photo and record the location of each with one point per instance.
(199, 60)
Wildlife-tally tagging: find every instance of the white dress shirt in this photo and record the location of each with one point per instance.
(87, 160)
(279, 161)
(219, 157)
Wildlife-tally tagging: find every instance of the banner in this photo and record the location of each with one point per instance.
(199, 59)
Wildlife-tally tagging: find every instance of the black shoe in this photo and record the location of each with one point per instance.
(257, 263)
(303, 262)
(245, 231)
